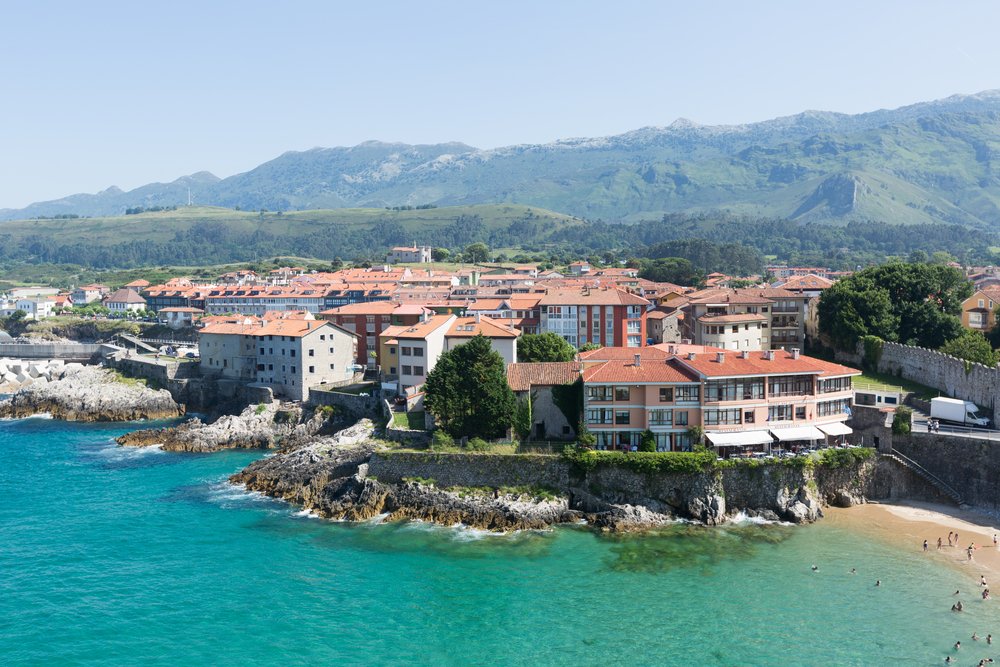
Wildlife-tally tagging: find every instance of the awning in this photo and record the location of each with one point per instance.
(740, 438)
(798, 433)
(836, 428)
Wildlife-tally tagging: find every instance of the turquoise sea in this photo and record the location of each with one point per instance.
(126, 557)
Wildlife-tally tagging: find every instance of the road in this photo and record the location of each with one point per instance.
(920, 426)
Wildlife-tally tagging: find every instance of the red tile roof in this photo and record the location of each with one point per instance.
(647, 370)
(523, 376)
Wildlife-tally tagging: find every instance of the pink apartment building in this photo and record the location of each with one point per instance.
(756, 399)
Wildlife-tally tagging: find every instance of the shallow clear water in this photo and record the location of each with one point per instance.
(115, 556)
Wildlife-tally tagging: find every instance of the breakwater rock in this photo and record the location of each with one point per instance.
(16, 373)
(264, 426)
(89, 394)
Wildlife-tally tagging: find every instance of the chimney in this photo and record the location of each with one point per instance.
(690, 356)
(478, 316)
(768, 355)
(720, 357)
(638, 360)
(685, 341)
(671, 349)
(795, 353)
(744, 354)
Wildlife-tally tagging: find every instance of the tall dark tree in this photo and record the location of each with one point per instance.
(468, 392)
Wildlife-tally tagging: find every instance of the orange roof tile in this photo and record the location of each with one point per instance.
(523, 376)
(467, 327)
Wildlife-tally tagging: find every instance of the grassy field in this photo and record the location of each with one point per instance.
(884, 382)
(411, 420)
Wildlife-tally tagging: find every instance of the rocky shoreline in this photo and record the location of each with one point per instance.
(263, 426)
(90, 394)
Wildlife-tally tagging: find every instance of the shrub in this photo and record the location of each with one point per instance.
(284, 417)
(441, 440)
(901, 421)
(838, 458)
(643, 462)
(647, 441)
(260, 409)
(477, 445)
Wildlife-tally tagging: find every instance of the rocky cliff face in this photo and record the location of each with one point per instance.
(264, 426)
(91, 393)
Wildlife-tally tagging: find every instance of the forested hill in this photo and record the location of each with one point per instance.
(926, 163)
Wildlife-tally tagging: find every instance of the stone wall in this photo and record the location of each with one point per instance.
(979, 384)
(487, 470)
(354, 406)
(754, 488)
(968, 465)
(76, 351)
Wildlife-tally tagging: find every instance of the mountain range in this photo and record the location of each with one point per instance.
(930, 162)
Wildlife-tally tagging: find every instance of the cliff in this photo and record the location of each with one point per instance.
(91, 393)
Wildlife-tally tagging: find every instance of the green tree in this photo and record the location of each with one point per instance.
(468, 392)
(548, 346)
(972, 346)
(522, 418)
(647, 441)
(440, 254)
(670, 270)
(910, 303)
(476, 253)
(336, 264)
(587, 347)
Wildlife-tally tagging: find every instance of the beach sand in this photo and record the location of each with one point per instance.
(908, 524)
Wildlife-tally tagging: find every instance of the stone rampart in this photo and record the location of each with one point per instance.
(968, 465)
(487, 470)
(952, 376)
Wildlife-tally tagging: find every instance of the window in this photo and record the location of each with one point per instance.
(392, 370)
(690, 393)
(622, 417)
(790, 385)
(834, 384)
(827, 408)
(634, 341)
(291, 352)
(800, 412)
(270, 367)
(331, 368)
(680, 419)
(293, 369)
(262, 351)
(661, 417)
(779, 413)
(406, 351)
(270, 350)
(666, 394)
(621, 393)
(418, 351)
(312, 369)
(599, 416)
(748, 417)
(738, 389)
(418, 370)
(716, 417)
(322, 336)
(393, 350)
(633, 326)
(407, 370)
(312, 353)
(599, 393)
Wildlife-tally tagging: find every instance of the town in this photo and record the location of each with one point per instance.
(656, 366)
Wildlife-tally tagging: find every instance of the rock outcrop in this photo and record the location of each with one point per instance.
(264, 426)
(88, 394)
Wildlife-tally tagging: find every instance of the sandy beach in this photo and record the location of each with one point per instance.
(909, 524)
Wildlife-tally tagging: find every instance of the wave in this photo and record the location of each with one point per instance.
(742, 517)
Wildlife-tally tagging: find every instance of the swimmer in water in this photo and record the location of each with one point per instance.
(989, 639)
(815, 568)
(975, 637)
(854, 570)
(878, 582)
(958, 645)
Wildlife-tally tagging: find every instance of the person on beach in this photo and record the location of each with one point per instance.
(969, 551)
(986, 594)
(925, 545)
(982, 580)
(949, 538)
(939, 543)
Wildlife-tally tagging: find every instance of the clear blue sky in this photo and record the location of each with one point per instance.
(97, 94)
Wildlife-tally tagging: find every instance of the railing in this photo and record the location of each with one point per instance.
(883, 388)
(934, 480)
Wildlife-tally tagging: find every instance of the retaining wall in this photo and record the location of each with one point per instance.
(78, 351)
(968, 465)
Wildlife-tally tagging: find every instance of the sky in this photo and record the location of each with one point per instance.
(101, 93)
